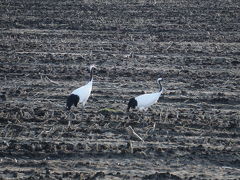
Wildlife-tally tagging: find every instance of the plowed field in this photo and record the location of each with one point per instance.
(46, 48)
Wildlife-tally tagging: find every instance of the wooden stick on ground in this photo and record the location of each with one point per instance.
(54, 82)
(151, 130)
(132, 133)
(169, 46)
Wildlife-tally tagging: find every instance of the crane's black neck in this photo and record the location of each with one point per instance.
(160, 86)
(91, 74)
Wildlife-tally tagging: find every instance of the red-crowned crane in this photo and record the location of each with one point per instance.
(144, 101)
(81, 95)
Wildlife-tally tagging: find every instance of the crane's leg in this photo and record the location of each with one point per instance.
(70, 119)
(69, 124)
(82, 111)
(143, 118)
(143, 113)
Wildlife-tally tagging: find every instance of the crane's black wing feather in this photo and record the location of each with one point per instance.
(132, 103)
(72, 99)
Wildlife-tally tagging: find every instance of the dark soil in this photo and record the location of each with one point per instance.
(45, 50)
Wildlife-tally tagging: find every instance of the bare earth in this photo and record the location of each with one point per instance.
(45, 50)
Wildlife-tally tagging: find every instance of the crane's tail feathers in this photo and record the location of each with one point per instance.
(132, 104)
(72, 100)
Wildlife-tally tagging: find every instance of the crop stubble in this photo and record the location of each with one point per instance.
(45, 50)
